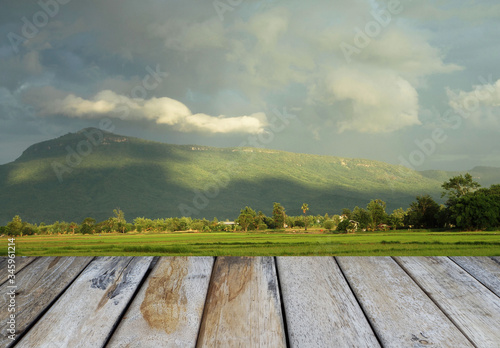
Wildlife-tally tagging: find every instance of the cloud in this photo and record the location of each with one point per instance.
(293, 46)
(440, 10)
(161, 110)
(374, 101)
(183, 35)
(408, 53)
(481, 106)
(269, 53)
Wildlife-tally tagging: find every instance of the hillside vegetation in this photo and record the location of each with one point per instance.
(91, 172)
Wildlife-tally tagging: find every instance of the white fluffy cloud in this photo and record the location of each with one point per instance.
(407, 52)
(161, 110)
(481, 106)
(374, 101)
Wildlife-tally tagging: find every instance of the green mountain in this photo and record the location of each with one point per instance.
(91, 172)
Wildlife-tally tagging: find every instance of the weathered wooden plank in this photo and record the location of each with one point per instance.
(87, 312)
(484, 269)
(468, 303)
(400, 312)
(20, 263)
(321, 310)
(243, 307)
(36, 288)
(167, 311)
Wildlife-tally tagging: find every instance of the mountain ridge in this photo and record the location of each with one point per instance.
(91, 172)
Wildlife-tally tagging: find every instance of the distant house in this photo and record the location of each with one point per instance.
(383, 227)
(353, 226)
(228, 223)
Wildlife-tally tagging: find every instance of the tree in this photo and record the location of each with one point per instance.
(477, 210)
(346, 213)
(396, 219)
(118, 222)
(328, 225)
(278, 215)
(261, 221)
(197, 225)
(455, 189)
(336, 219)
(89, 221)
(184, 223)
(423, 213)
(305, 208)
(459, 186)
(64, 227)
(15, 227)
(87, 226)
(73, 226)
(376, 208)
(362, 216)
(347, 226)
(55, 228)
(29, 229)
(247, 219)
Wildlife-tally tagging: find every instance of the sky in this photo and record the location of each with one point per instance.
(415, 83)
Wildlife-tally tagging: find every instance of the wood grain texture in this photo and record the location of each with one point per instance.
(37, 287)
(400, 312)
(468, 303)
(87, 312)
(321, 310)
(243, 307)
(167, 311)
(21, 262)
(484, 269)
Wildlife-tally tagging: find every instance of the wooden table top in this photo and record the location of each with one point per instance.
(252, 302)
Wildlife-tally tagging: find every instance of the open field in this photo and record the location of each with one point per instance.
(397, 243)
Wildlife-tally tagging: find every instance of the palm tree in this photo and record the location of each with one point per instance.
(305, 208)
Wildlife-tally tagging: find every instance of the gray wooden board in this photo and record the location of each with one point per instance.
(36, 288)
(20, 262)
(400, 312)
(468, 303)
(167, 311)
(484, 269)
(320, 308)
(86, 313)
(243, 307)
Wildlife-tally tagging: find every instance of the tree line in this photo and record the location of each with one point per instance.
(467, 207)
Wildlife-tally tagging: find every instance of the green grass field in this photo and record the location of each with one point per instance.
(397, 243)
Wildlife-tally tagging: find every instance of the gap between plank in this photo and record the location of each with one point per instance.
(209, 288)
(434, 301)
(494, 259)
(358, 302)
(139, 286)
(282, 303)
(472, 275)
(29, 263)
(49, 305)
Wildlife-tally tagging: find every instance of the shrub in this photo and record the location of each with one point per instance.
(328, 224)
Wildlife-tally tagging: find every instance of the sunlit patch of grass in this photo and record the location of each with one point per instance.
(402, 243)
